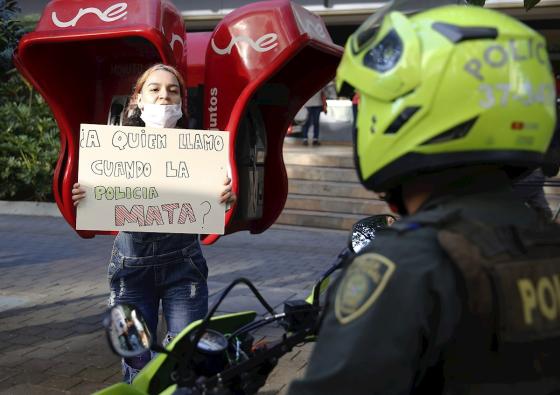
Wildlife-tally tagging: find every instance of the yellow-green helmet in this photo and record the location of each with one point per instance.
(453, 86)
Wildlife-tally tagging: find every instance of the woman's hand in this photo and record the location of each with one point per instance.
(78, 193)
(228, 196)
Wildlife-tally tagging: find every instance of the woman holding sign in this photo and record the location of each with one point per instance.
(146, 268)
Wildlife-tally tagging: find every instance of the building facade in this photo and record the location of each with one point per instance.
(342, 17)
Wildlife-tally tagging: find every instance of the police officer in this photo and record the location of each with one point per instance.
(462, 296)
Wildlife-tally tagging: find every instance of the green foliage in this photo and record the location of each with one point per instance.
(28, 133)
(11, 29)
(28, 143)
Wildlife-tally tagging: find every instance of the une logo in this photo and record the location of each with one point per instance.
(111, 14)
(262, 44)
(174, 39)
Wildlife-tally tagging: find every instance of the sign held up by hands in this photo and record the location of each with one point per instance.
(152, 180)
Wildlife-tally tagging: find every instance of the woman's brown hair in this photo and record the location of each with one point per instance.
(132, 112)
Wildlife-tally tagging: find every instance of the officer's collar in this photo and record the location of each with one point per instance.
(445, 204)
(484, 182)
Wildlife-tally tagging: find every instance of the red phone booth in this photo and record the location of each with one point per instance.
(249, 76)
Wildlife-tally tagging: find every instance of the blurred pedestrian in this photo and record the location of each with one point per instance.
(314, 106)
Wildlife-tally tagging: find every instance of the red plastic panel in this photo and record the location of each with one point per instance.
(82, 54)
(195, 54)
(262, 45)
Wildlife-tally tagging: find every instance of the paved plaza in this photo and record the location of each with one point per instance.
(53, 293)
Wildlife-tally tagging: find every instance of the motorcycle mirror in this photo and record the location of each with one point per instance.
(127, 332)
(363, 231)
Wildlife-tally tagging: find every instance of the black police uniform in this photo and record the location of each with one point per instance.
(394, 318)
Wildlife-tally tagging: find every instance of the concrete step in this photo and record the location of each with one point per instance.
(325, 156)
(319, 219)
(552, 193)
(324, 190)
(326, 161)
(330, 204)
(329, 188)
(316, 173)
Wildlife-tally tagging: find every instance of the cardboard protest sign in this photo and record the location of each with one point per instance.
(152, 180)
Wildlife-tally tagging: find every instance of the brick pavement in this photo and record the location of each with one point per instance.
(53, 293)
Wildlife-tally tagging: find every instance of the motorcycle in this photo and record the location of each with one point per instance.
(218, 355)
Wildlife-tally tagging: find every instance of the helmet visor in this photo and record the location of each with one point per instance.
(367, 31)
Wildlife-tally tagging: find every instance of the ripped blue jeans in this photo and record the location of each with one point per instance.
(148, 268)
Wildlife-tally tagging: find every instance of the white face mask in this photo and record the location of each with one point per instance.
(160, 115)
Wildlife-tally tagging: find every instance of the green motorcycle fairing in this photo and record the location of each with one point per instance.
(155, 378)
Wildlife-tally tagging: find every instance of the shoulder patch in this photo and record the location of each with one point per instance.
(362, 284)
